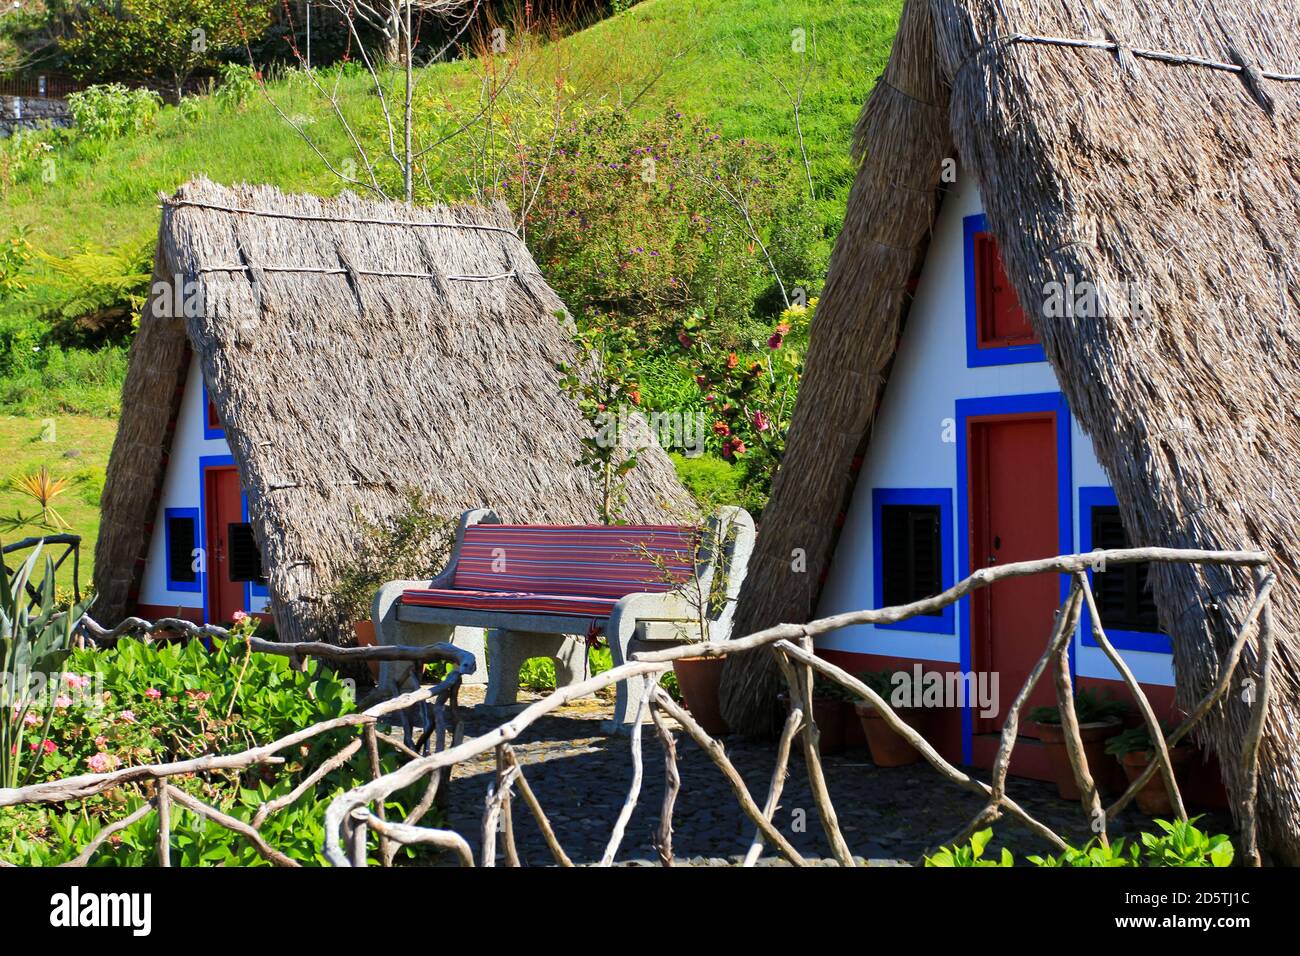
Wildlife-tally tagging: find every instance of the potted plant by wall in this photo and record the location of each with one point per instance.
(1099, 717)
(410, 544)
(888, 748)
(829, 703)
(1134, 750)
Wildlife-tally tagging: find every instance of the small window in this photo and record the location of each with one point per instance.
(999, 320)
(181, 539)
(1123, 592)
(245, 558)
(911, 553)
(214, 423)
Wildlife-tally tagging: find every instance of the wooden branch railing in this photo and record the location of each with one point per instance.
(793, 645)
(352, 816)
(166, 796)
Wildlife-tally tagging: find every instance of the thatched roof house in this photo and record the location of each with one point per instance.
(1148, 144)
(349, 351)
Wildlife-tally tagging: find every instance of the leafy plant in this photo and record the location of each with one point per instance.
(35, 640)
(970, 854)
(410, 544)
(110, 110)
(604, 387)
(1090, 708)
(238, 85)
(1183, 844)
(1134, 740)
(42, 488)
(1093, 854)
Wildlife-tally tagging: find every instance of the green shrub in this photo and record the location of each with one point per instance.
(238, 85)
(1180, 844)
(110, 110)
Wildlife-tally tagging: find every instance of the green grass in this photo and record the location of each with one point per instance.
(711, 58)
(71, 446)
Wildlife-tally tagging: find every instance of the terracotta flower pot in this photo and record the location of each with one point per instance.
(699, 678)
(1094, 736)
(1152, 799)
(888, 749)
(365, 631)
(828, 712)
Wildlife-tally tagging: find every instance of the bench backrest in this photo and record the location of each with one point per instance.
(597, 560)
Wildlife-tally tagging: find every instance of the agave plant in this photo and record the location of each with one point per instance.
(35, 639)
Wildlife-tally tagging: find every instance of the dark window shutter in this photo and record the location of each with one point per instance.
(245, 559)
(911, 553)
(180, 549)
(1123, 592)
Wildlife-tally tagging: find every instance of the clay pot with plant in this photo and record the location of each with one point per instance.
(829, 706)
(888, 748)
(1134, 751)
(1099, 718)
(410, 544)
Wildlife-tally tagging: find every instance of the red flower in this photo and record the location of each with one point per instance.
(635, 395)
(685, 340)
(732, 360)
(721, 429)
(701, 381)
(737, 446)
(775, 341)
(762, 422)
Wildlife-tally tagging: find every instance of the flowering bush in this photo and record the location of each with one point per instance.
(750, 398)
(154, 703)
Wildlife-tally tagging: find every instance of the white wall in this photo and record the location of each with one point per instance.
(908, 450)
(181, 490)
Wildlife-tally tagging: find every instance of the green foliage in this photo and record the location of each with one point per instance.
(647, 220)
(159, 40)
(34, 643)
(1180, 844)
(110, 110)
(604, 386)
(1134, 740)
(750, 402)
(411, 544)
(971, 854)
(1090, 708)
(238, 85)
(882, 682)
(1092, 854)
(143, 703)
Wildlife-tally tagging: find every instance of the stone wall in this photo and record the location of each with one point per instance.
(29, 112)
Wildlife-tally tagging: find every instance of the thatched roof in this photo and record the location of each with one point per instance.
(1155, 142)
(354, 350)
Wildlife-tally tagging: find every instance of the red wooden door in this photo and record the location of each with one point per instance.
(225, 506)
(1013, 515)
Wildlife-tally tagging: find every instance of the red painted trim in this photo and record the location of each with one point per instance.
(152, 612)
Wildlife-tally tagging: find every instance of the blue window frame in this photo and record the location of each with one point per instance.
(941, 498)
(209, 431)
(975, 356)
(1102, 496)
(968, 408)
(170, 544)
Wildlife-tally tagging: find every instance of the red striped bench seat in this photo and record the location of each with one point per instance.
(569, 570)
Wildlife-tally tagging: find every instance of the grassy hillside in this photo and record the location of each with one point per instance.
(720, 59)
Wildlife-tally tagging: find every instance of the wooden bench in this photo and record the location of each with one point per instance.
(543, 590)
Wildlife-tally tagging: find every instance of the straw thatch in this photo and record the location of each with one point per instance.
(354, 350)
(1160, 151)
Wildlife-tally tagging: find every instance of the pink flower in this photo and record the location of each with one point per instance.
(153, 693)
(101, 741)
(63, 700)
(238, 616)
(45, 746)
(75, 681)
(101, 763)
(762, 422)
(127, 717)
(31, 720)
(775, 341)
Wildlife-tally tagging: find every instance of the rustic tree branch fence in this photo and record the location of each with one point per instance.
(352, 816)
